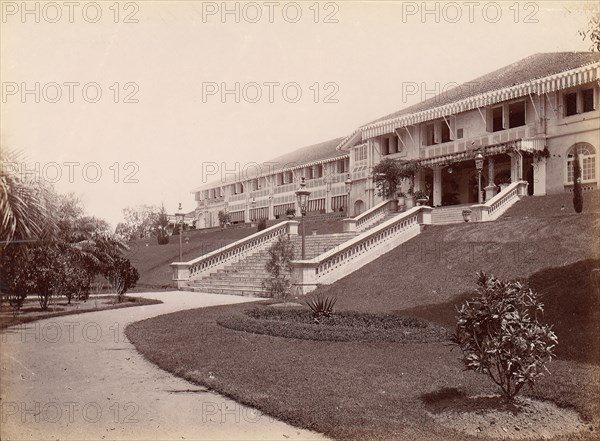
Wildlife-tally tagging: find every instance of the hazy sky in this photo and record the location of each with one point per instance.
(172, 60)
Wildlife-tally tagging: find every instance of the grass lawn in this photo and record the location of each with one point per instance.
(382, 390)
(31, 310)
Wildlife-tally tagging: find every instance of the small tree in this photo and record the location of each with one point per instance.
(279, 267)
(162, 223)
(577, 190)
(224, 218)
(122, 276)
(387, 175)
(500, 335)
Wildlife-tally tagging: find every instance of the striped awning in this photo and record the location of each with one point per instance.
(540, 86)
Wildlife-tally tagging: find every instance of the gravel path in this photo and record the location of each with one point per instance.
(78, 378)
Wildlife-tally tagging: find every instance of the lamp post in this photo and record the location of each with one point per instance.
(182, 215)
(302, 195)
(348, 183)
(479, 167)
(252, 211)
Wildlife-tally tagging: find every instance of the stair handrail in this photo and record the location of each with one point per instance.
(496, 206)
(210, 262)
(306, 274)
(369, 217)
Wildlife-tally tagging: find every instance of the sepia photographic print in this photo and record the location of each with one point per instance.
(300, 220)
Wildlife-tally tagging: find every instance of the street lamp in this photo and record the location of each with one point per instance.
(182, 215)
(302, 195)
(479, 167)
(348, 183)
(252, 211)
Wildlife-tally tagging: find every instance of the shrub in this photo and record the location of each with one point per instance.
(262, 224)
(279, 267)
(163, 239)
(121, 276)
(290, 212)
(321, 306)
(577, 190)
(224, 218)
(500, 335)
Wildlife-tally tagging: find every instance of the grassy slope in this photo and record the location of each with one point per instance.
(152, 260)
(352, 390)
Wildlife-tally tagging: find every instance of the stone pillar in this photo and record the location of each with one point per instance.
(516, 167)
(247, 211)
(419, 180)
(539, 177)
(271, 214)
(491, 190)
(437, 186)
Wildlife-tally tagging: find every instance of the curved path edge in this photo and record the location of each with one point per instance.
(78, 377)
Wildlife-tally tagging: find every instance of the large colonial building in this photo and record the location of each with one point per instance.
(527, 120)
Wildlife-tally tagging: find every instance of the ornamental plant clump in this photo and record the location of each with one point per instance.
(500, 334)
(321, 306)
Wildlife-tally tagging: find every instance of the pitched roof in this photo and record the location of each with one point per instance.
(530, 68)
(302, 156)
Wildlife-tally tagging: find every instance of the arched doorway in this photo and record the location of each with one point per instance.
(359, 207)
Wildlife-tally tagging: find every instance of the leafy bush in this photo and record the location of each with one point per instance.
(262, 224)
(224, 218)
(500, 335)
(122, 276)
(321, 306)
(290, 212)
(279, 267)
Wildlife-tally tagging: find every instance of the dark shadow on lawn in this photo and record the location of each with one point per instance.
(451, 398)
(571, 297)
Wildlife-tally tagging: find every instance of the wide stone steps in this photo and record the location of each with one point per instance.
(448, 215)
(246, 276)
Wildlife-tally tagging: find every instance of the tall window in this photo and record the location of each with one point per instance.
(587, 161)
(360, 153)
(516, 114)
(580, 101)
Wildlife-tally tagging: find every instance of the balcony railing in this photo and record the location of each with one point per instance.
(370, 217)
(364, 248)
(497, 205)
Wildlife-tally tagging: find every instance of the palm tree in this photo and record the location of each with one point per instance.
(24, 202)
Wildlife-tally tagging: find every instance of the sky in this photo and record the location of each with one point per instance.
(127, 103)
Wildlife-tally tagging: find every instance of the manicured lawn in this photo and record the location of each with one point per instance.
(379, 390)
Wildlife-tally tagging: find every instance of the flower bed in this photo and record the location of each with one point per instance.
(342, 326)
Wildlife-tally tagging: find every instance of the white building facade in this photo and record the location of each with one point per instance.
(526, 119)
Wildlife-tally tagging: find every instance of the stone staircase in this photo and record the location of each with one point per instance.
(246, 276)
(448, 215)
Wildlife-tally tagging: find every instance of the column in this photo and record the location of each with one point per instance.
(271, 215)
(328, 172)
(437, 186)
(516, 171)
(419, 180)
(539, 177)
(491, 190)
(247, 210)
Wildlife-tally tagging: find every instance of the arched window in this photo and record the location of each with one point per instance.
(587, 160)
